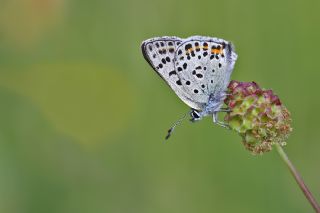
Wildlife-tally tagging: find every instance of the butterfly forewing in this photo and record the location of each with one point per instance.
(160, 53)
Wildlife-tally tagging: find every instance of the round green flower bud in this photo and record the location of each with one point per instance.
(257, 115)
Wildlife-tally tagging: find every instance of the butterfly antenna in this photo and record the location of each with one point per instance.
(178, 122)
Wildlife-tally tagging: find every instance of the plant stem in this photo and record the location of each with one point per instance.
(298, 178)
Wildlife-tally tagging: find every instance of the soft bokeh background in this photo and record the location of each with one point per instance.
(83, 116)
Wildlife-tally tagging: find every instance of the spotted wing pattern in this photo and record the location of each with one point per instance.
(204, 66)
(194, 68)
(160, 53)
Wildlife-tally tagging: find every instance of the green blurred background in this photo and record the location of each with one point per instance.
(83, 116)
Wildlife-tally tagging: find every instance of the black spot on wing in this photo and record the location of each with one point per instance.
(188, 46)
(199, 75)
(173, 72)
(185, 65)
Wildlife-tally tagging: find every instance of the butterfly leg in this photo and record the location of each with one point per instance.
(225, 109)
(220, 123)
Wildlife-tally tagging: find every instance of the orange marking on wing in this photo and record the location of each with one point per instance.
(213, 51)
(188, 51)
(216, 51)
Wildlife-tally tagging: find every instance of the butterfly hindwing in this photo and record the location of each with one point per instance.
(204, 66)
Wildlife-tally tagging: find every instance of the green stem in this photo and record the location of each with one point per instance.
(298, 179)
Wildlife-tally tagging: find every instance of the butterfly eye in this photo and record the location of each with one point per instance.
(195, 114)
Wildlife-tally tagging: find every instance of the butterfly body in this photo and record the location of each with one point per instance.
(197, 69)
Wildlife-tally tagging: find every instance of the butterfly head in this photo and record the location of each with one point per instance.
(195, 115)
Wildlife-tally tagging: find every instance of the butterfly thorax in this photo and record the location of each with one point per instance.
(214, 104)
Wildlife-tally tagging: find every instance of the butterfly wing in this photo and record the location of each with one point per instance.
(204, 66)
(160, 53)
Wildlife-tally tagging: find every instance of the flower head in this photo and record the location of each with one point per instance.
(257, 115)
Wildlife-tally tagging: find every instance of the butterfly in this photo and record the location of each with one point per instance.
(196, 68)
